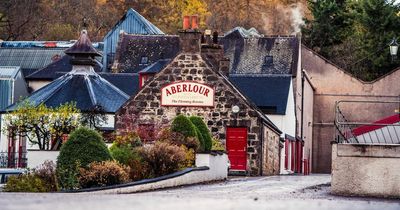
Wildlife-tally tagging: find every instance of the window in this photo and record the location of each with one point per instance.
(268, 61)
(144, 60)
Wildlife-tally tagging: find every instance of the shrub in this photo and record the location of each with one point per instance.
(190, 157)
(162, 158)
(139, 169)
(201, 140)
(104, 173)
(25, 183)
(121, 153)
(166, 135)
(217, 145)
(130, 138)
(183, 125)
(83, 147)
(47, 173)
(207, 139)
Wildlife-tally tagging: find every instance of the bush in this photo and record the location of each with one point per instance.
(183, 125)
(201, 140)
(139, 169)
(105, 173)
(163, 158)
(47, 173)
(130, 138)
(190, 157)
(83, 147)
(202, 127)
(166, 135)
(121, 153)
(25, 183)
(217, 145)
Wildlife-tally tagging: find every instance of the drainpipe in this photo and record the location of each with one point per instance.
(302, 112)
(262, 146)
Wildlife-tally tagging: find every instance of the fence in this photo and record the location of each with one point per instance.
(367, 122)
(13, 160)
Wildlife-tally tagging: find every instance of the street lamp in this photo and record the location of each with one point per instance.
(393, 47)
(235, 110)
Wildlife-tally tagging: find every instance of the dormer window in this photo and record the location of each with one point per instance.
(269, 61)
(144, 60)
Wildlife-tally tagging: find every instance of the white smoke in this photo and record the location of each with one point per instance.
(297, 18)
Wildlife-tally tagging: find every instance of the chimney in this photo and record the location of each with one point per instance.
(223, 66)
(190, 36)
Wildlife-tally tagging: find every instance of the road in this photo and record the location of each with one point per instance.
(278, 192)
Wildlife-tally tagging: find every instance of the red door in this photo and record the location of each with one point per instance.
(236, 144)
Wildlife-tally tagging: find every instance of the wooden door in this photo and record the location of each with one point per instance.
(236, 144)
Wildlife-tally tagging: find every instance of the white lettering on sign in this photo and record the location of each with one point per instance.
(187, 94)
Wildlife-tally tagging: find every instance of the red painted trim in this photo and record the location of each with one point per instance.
(293, 153)
(286, 154)
(368, 128)
(173, 83)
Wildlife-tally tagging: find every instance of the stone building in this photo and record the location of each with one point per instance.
(195, 82)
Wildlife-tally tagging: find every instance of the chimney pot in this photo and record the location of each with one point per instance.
(195, 22)
(215, 37)
(186, 22)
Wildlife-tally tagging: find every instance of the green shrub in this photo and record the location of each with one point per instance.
(121, 153)
(217, 145)
(47, 173)
(99, 174)
(201, 140)
(202, 127)
(166, 135)
(162, 158)
(190, 157)
(84, 146)
(183, 125)
(130, 138)
(25, 183)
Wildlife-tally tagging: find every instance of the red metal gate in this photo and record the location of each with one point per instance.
(236, 144)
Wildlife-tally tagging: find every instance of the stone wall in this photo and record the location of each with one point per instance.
(270, 153)
(144, 108)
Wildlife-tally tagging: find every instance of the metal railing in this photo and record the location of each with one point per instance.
(385, 130)
(13, 160)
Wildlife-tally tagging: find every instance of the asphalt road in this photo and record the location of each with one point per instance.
(280, 192)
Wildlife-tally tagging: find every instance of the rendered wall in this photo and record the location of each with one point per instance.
(366, 170)
(333, 84)
(38, 157)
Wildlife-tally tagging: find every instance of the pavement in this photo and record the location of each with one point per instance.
(276, 192)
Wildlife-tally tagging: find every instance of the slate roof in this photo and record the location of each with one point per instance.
(127, 82)
(265, 90)
(156, 66)
(250, 54)
(87, 90)
(57, 69)
(132, 48)
(82, 46)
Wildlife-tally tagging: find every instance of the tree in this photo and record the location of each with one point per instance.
(375, 24)
(41, 125)
(329, 25)
(95, 117)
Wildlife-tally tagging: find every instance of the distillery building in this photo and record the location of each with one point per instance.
(195, 82)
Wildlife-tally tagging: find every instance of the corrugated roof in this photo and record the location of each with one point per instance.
(265, 90)
(132, 23)
(9, 71)
(28, 58)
